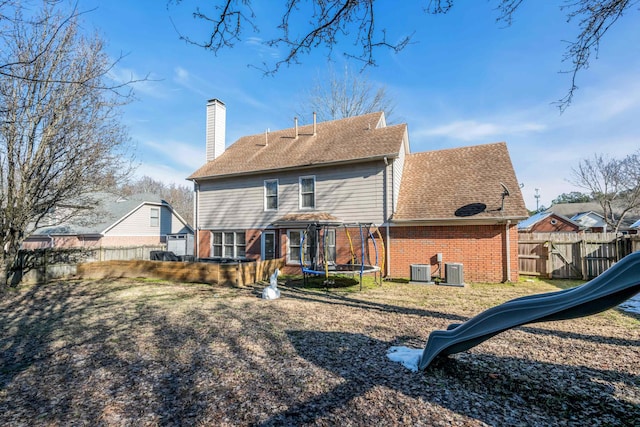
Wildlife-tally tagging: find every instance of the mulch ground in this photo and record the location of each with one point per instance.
(118, 353)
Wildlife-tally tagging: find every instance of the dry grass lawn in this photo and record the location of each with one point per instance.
(135, 352)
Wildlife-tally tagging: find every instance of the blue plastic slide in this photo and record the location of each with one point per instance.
(614, 286)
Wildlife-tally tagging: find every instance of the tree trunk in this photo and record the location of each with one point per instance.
(10, 270)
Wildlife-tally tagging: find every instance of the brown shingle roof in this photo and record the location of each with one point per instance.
(349, 139)
(308, 217)
(456, 183)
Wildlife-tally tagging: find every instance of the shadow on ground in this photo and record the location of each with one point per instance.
(494, 390)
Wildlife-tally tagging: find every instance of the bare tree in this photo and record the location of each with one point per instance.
(346, 94)
(328, 22)
(180, 197)
(613, 183)
(60, 135)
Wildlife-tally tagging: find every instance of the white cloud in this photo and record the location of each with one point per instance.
(194, 84)
(178, 153)
(141, 84)
(164, 173)
(181, 75)
(257, 44)
(472, 130)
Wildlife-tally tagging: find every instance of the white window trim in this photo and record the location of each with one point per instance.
(277, 195)
(151, 217)
(289, 260)
(300, 192)
(263, 244)
(332, 231)
(235, 243)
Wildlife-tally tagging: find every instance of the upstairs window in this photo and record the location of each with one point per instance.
(154, 217)
(271, 195)
(307, 192)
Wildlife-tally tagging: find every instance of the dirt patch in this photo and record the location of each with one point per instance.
(143, 353)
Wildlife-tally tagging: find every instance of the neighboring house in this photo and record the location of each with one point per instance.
(141, 219)
(547, 222)
(255, 198)
(591, 216)
(591, 221)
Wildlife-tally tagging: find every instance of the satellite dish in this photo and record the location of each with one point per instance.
(505, 193)
(505, 190)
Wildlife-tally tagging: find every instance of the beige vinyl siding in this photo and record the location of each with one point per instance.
(353, 193)
(234, 203)
(398, 166)
(138, 223)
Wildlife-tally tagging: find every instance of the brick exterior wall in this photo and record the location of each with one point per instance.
(87, 242)
(253, 243)
(203, 237)
(480, 248)
(133, 240)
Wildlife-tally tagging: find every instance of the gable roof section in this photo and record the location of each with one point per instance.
(346, 140)
(110, 210)
(590, 219)
(460, 183)
(533, 220)
(572, 210)
(528, 223)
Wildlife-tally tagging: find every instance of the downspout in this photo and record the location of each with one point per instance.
(196, 201)
(508, 249)
(388, 253)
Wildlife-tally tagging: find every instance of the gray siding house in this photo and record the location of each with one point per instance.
(140, 219)
(255, 198)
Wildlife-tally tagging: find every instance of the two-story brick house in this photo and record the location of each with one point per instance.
(255, 198)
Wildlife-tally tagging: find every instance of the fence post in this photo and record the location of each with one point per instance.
(44, 266)
(583, 258)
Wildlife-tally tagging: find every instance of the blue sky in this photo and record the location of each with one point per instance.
(466, 80)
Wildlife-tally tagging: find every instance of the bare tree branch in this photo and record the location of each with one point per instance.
(329, 21)
(60, 135)
(596, 17)
(312, 24)
(613, 183)
(347, 94)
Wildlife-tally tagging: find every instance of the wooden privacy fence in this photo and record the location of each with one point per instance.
(42, 265)
(572, 255)
(231, 274)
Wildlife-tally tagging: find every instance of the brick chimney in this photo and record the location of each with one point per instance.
(216, 122)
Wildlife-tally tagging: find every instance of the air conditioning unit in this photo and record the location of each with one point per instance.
(454, 275)
(421, 273)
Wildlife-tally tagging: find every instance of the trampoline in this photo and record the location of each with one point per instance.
(322, 263)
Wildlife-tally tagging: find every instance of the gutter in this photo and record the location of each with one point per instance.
(456, 221)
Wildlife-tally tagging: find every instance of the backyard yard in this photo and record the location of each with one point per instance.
(140, 352)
